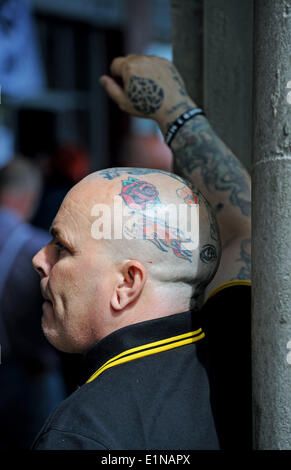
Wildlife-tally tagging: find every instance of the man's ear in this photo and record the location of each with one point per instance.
(132, 277)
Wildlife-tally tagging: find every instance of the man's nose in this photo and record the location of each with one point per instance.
(41, 263)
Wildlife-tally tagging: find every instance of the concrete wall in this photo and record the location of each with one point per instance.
(187, 35)
(271, 328)
(213, 50)
(236, 77)
(228, 56)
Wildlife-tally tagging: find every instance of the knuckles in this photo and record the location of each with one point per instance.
(134, 64)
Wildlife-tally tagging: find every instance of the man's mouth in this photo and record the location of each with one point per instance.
(45, 295)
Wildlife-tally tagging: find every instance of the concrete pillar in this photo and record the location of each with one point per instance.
(271, 318)
(187, 24)
(213, 51)
(228, 59)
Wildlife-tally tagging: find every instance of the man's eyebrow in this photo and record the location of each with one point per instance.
(55, 233)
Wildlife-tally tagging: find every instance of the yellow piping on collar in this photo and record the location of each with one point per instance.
(148, 349)
(238, 282)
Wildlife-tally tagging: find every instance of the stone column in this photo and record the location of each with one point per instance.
(213, 51)
(228, 59)
(271, 259)
(187, 31)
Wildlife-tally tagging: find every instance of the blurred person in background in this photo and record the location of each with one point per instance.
(31, 380)
(67, 165)
(147, 151)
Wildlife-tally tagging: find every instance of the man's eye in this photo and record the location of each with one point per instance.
(60, 248)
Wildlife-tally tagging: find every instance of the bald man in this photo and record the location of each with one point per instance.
(113, 291)
(128, 276)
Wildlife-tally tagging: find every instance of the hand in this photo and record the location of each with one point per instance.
(152, 88)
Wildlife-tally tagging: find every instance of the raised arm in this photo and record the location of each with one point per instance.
(153, 88)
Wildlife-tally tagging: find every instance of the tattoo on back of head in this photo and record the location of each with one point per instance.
(189, 196)
(145, 95)
(189, 193)
(196, 198)
(208, 253)
(111, 173)
(140, 195)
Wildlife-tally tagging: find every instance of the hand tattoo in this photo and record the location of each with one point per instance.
(145, 95)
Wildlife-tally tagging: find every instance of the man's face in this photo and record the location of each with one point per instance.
(75, 278)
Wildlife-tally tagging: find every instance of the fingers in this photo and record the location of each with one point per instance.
(113, 90)
(116, 66)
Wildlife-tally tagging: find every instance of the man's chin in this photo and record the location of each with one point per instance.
(55, 336)
(54, 339)
(48, 317)
(48, 325)
(47, 308)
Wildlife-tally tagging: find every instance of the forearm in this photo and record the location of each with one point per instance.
(201, 156)
(153, 88)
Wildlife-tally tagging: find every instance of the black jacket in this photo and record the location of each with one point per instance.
(148, 388)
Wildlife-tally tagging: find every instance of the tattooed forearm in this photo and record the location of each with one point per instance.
(145, 95)
(245, 258)
(196, 146)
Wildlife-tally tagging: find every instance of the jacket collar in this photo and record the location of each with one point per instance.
(140, 336)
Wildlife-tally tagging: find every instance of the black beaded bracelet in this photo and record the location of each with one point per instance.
(180, 121)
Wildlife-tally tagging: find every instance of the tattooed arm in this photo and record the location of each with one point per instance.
(200, 155)
(153, 88)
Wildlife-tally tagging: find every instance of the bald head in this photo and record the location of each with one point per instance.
(156, 218)
(129, 245)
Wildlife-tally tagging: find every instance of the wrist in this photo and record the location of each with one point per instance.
(171, 113)
(180, 122)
